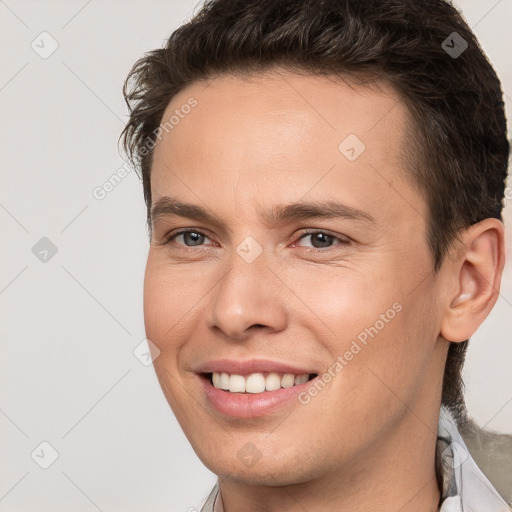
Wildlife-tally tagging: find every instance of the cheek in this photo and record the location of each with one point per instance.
(340, 303)
(387, 361)
(166, 303)
(369, 327)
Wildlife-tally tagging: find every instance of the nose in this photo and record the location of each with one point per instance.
(249, 297)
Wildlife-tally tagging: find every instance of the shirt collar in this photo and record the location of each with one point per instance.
(465, 487)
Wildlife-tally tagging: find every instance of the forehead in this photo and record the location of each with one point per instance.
(286, 104)
(281, 134)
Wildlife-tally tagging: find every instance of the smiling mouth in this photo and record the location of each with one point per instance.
(256, 383)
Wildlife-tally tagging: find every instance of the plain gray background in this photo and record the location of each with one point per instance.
(70, 324)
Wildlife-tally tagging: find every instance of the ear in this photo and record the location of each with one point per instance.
(477, 263)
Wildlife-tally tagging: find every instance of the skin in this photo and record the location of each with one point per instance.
(367, 440)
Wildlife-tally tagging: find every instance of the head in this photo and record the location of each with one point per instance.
(253, 106)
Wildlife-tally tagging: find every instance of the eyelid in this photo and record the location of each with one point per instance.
(342, 239)
(168, 237)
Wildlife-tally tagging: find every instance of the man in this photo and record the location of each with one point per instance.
(324, 184)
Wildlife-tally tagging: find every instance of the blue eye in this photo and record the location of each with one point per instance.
(319, 239)
(194, 237)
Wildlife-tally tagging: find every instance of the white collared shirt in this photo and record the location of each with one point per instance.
(465, 487)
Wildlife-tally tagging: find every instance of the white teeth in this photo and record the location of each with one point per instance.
(256, 382)
(272, 382)
(288, 380)
(236, 384)
(224, 381)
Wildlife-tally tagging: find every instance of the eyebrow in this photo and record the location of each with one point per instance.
(168, 206)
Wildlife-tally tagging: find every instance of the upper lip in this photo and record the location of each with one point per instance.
(246, 367)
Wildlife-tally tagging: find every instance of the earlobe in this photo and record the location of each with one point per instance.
(478, 272)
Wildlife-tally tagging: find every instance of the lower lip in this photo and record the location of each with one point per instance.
(251, 405)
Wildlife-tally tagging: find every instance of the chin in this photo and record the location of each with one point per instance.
(272, 472)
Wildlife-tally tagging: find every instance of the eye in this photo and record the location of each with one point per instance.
(319, 239)
(322, 239)
(191, 238)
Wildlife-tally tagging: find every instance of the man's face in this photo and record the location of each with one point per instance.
(245, 292)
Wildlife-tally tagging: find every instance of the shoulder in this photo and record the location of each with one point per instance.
(492, 453)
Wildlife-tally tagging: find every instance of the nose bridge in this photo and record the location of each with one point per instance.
(249, 294)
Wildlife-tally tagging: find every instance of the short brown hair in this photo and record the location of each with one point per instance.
(423, 49)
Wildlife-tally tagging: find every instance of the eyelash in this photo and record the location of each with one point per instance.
(342, 240)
